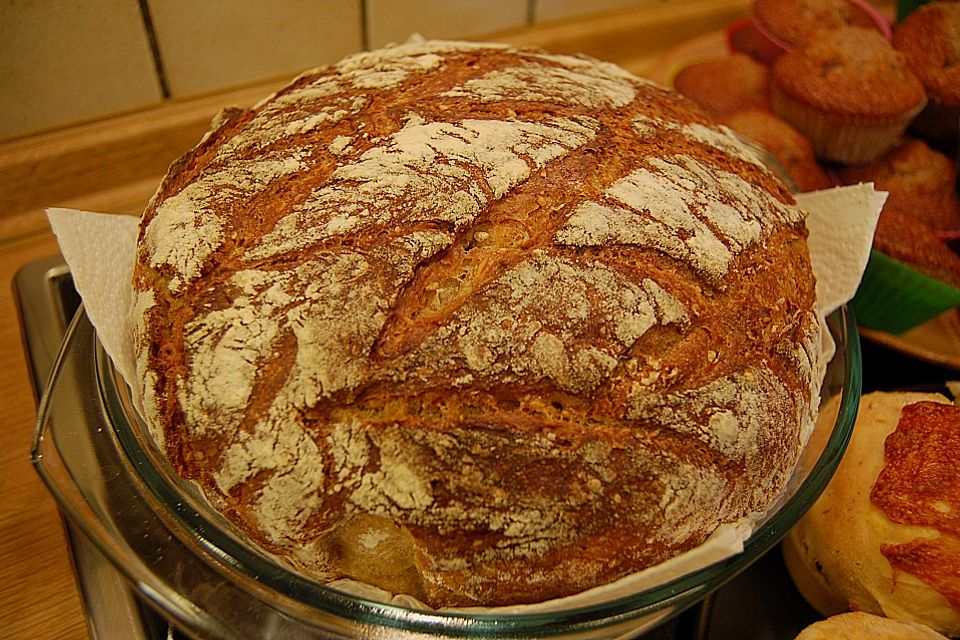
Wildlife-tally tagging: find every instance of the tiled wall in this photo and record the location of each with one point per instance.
(63, 62)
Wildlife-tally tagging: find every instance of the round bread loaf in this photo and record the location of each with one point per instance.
(858, 625)
(476, 324)
(884, 537)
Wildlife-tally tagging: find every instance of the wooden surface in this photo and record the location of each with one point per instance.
(114, 165)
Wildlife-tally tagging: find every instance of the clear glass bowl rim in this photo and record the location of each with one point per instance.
(239, 557)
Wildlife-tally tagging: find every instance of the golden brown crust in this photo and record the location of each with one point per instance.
(725, 85)
(789, 147)
(896, 554)
(905, 238)
(920, 182)
(796, 22)
(935, 562)
(849, 72)
(515, 323)
(919, 484)
(858, 625)
(929, 41)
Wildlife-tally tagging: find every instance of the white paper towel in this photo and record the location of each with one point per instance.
(841, 222)
(100, 250)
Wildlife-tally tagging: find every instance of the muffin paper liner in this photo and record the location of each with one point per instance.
(849, 140)
(894, 297)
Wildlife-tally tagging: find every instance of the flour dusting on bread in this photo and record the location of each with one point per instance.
(477, 324)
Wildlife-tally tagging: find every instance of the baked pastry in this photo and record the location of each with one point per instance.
(725, 85)
(858, 625)
(929, 41)
(794, 23)
(883, 537)
(912, 276)
(920, 182)
(904, 238)
(791, 149)
(476, 324)
(849, 92)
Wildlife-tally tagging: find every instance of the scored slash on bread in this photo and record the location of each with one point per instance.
(476, 324)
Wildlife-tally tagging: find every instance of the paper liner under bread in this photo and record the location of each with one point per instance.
(100, 250)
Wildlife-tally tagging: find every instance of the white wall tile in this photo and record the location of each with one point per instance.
(394, 20)
(211, 44)
(67, 61)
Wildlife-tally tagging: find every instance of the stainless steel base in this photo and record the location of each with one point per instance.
(47, 301)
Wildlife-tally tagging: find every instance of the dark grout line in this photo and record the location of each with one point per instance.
(364, 27)
(154, 48)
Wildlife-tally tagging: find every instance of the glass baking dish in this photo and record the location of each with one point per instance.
(91, 450)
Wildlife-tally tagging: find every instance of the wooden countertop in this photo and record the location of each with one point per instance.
(113, 165)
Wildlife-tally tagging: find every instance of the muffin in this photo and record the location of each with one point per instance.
(912, 275)
(725, 85)
(929, 41)
(789, 147)
(884, 537)
(793, 23)
(858, 625)
(921, 182)
(904, 238)
(848, 92)
(744, 37)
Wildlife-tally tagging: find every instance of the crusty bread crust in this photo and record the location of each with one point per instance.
(858, 625)
(481, 325)
(882, 538)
